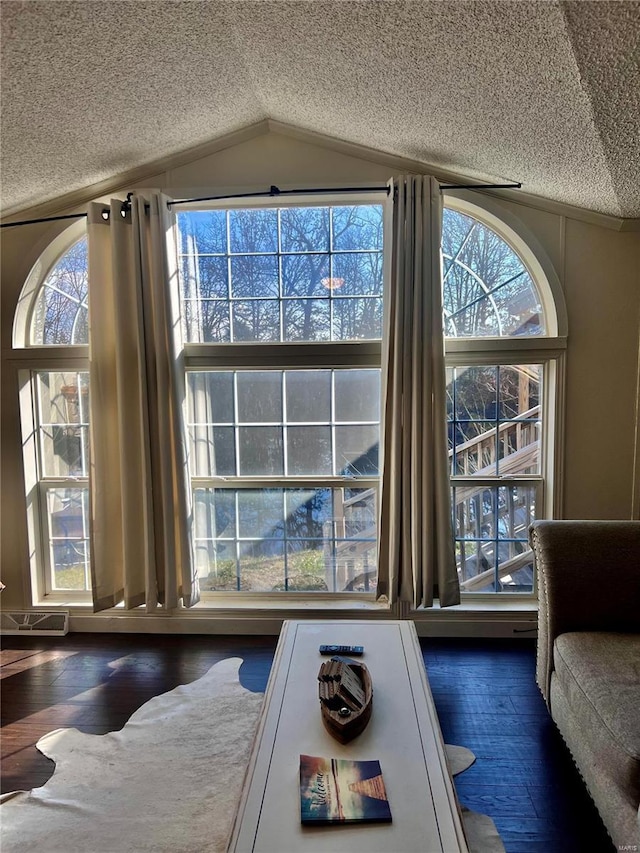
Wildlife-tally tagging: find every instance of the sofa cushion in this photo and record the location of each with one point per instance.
(599, 673)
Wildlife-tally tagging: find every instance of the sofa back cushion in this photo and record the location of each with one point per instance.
(589, 574)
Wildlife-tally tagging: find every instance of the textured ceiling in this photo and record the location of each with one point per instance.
(547, 93)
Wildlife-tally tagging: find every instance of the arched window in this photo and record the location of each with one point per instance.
(60, 313)
(487, 289)
(51, 330)
(314, 271)
(501, 391)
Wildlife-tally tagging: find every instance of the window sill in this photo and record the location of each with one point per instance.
(215, 602)
(232, 615)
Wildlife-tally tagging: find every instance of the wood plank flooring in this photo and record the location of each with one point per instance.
(523, 777)
(484, 691)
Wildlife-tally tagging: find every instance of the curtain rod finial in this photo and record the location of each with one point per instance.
(126, 206)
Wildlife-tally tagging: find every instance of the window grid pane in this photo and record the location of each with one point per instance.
(68, 525)
(286, 539)
(62, 422)
(292, 274)
(490, 526)
(494, 419)
(487, 290)
(61, 315)
(253, 424)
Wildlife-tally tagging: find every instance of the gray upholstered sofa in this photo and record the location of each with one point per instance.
(588, 665)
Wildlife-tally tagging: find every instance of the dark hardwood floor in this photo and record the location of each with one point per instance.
(523, 777)
(484, 691)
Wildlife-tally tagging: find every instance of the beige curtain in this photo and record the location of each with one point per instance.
(416, 557)
(140, 503)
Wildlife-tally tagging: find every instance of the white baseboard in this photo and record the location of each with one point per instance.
(436, 623)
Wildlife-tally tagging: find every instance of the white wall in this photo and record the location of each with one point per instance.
(602, 290)
(598, 268)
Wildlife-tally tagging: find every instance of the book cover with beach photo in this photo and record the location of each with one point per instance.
(334, 790)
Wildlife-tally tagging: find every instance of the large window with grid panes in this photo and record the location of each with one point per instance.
(282, 312)
(503, 362)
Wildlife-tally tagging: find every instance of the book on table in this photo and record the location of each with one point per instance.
(336, 790)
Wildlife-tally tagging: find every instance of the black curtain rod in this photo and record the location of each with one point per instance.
(275, 191)
(105, 215)
(46, 219)
(272, 192)
(480, 186)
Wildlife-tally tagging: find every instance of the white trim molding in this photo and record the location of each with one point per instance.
(462, 621)
(124, 180)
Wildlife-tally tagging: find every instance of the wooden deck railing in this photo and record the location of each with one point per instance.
(515, 446)
(352, 562)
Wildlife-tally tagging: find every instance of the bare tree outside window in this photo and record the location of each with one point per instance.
(61, 312)
(488, 291)
(288, 274)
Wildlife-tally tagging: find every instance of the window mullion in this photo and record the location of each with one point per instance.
(283, 416)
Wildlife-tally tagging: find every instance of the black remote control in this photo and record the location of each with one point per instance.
(341, 650)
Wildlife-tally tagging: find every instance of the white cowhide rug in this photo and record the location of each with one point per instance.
(168, 782)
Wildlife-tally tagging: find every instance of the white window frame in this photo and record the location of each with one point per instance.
(28, 360)
(548, 350)
(280, 356)
(56, 359)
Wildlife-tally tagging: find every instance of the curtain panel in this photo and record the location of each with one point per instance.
(416, 552)
(140, 500)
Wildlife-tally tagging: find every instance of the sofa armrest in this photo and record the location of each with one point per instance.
(588, 580)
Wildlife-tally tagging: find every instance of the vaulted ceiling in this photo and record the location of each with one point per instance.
(543, 92)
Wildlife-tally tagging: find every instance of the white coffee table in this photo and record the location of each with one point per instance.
(403, 734)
